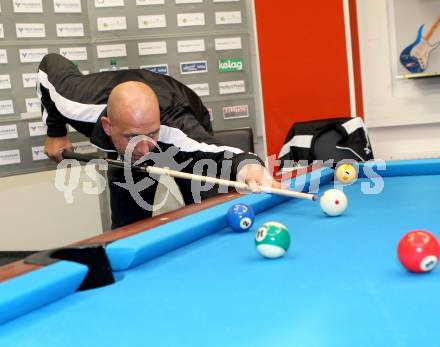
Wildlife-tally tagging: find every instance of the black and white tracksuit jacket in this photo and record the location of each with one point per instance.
(69, 97)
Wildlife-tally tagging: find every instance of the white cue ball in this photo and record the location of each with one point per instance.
(333, 202)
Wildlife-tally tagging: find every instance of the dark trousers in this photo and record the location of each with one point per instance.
(126, 210)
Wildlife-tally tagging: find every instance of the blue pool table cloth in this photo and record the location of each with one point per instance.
(194, 282)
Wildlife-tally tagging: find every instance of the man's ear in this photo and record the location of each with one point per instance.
(106, 125)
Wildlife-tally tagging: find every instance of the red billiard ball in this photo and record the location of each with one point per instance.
(419, 251)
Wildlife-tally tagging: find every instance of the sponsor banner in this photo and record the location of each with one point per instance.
(3, 56)
(190, 19)
(188, 46)
(227, 43)
(74, 53)
(37, 129)
(38, 153)
(191, 67)
(152, 48)
(29, 80)
(230, 65)
(28, 6)
(201, 89)
(109, 3)
(189, 1)
(5, 82)
(111, 51)
(149, 2)
(70, 29)
(6, 107)
(160, 68)
(32, 55)
(10, 157)
(153, 21)
(84, 147)
(232, 87)
(230, 17)
(8, 132)
(33, 105)
(67, 6)
(26, 30)
(232, 112)
(111, 23)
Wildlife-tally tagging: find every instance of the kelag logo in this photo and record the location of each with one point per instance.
(230, 65)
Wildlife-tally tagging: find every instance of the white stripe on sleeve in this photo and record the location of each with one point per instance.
(68, 108)
(303, 141)
(178, 138)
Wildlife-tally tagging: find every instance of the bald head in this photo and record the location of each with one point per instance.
(132, 109)
(132, 102)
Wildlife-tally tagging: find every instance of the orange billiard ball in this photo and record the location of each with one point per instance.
(346, 173)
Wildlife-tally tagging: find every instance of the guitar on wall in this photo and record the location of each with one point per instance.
(415, 57)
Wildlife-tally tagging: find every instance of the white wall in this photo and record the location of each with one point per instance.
(402, 116)
(35, 215)
(260, 136)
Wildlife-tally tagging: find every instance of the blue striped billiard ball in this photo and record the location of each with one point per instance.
(240, 217)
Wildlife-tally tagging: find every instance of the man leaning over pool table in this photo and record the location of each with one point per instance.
(112, 108)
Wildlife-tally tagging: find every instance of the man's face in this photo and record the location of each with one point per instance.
(125, 129)
(132, 110)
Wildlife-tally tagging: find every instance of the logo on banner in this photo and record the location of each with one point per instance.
(232, 87)
(10, 157)
(160, 69)
(201, 89)
(194, 67)
(29, 80)
(84, 147)
(5, 82)
(37, 129)
(230, 65)
(8, 132)
(6, 107)
(70, 29)
(33, 105)
(3, 56)
(28, 6)
(74, 53)
(240, 111)
(67, 6)
(38, 153)
(151, 48)
(187, 46)
(32, 55)
(111, 51)
(229, 43)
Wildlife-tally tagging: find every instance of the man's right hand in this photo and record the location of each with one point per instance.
(55, 146)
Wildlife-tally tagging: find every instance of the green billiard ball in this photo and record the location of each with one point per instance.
(272, 240)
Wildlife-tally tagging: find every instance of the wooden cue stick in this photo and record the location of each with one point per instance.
(184, 175)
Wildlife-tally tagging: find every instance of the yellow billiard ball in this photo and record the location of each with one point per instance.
(346, 173)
